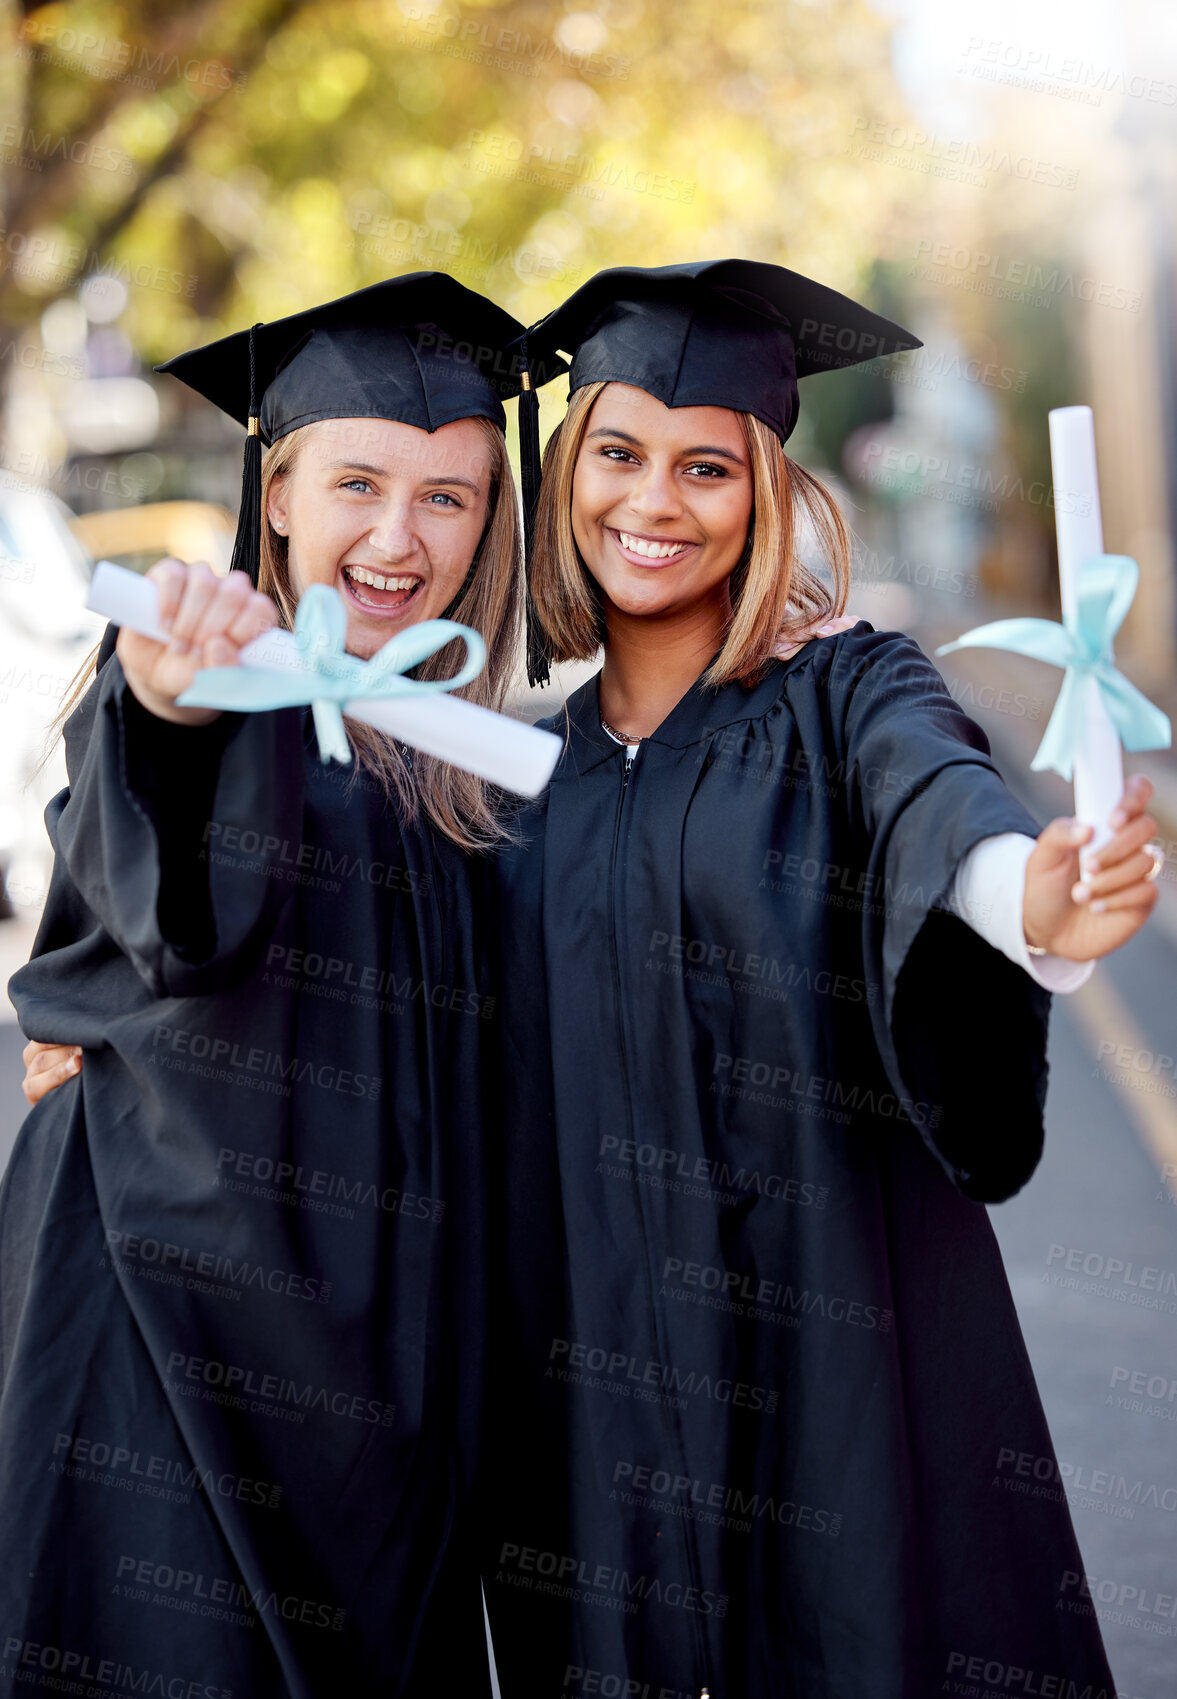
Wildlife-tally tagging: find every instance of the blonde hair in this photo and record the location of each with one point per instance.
(773, 593)
(463, 807)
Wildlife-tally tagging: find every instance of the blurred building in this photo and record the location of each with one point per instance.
(1132, 355)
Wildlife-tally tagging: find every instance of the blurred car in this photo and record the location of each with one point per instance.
(137, 537)
(46, 633)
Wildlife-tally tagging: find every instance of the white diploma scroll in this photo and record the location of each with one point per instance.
(1099, 763)
(504, 751)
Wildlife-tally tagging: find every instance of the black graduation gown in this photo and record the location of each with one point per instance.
(241, 1255)
(774, 1428)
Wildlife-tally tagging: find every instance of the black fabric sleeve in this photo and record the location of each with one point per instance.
(148, 805)
(961, 1029)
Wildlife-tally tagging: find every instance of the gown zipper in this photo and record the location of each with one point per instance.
(690, 1550)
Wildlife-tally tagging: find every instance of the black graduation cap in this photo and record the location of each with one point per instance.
(421, 349)
(714, 333)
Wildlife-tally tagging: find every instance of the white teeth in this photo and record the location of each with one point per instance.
(655, 551)
(363, 576)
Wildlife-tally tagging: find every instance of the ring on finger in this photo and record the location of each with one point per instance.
(1158, 860)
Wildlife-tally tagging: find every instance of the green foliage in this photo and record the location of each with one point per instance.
(270, 153)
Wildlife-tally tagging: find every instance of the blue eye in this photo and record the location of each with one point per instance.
(444, 496)
(351, 483)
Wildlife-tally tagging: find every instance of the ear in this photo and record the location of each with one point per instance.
(276, 505)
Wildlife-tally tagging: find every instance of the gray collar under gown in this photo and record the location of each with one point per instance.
(762, 1378)
(242, 1253)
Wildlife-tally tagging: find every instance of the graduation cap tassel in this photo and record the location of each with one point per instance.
(247, 545)
(529, 468)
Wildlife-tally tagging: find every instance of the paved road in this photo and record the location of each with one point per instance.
(1091, 1250)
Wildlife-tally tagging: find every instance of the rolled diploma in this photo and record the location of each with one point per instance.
(504, 751)
(1099, 762)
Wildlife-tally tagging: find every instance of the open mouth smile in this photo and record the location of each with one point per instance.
(381, 592)
(650, 551)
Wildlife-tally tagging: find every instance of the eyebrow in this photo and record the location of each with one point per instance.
(723, 453)
(382, 472)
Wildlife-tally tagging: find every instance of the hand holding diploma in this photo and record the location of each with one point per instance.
(1081, 919)
(1098, 709)
(203, 621)
(212, 659)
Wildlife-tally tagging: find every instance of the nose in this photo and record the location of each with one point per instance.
(392, 536)
(655, 496)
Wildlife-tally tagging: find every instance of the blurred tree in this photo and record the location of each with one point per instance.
(238, 159)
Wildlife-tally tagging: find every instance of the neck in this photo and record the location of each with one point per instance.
(651, 661)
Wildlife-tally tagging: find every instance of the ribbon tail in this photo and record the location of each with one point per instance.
(244, 690)
(331, 732)
(1060, 739)
(1139, 722)
(1041, 639)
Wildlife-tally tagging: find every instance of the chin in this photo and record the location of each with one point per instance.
(638, 600)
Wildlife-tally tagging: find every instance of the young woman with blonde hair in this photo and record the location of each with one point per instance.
(243, 1252)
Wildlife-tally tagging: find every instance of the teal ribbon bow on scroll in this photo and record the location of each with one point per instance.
(329, 676)
(1082, 645)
